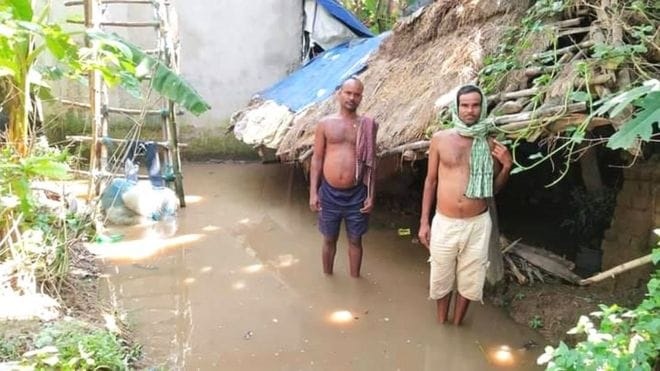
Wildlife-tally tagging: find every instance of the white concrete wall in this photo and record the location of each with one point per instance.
(230, 49)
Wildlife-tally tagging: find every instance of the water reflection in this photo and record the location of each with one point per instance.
(193, 199)
(242, 288)
(503, 356)
(238, 285)
(254, 268)
(142, 248)
(341, 317)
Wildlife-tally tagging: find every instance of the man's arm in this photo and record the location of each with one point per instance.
(430, 186)
(503, 156)
(316, 167)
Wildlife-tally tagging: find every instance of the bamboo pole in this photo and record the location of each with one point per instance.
(543, 112)
(565, 50)
(104, 174)
(81, 2)
(119, 24)
(84, 138)
(419, 145)
(575, 30)
(567, 23)
(305, 155)
(172, 61)
(127, 111)
(103, 163)
(92, 21)
(540, 70)
(610, 273)
(595, 80)
(513, 95)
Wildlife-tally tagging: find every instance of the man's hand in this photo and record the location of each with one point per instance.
(368, 206)
(502, 154)
(424, 234)
(314, 203)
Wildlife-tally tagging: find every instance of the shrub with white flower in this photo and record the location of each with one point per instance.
(615, 338)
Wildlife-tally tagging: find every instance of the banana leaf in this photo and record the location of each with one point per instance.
(163, 80)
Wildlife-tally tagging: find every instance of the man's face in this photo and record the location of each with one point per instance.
(350, 95)
(469, 107)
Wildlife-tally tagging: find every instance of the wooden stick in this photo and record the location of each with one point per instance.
(81, 2)
(307, 154)
(594, 80)
(540, 251)
(576, 119)
(617, 270)
(83, 138)
(511, 245)
(538, 274)
(519, 276)
(567, 23)
(513, 95)
(543, 112)
(568, 49)
(92, 21)
(422, 144)
(540, 70)
(567, 57)
(119, 24)
(127, 111)
(546, 263)
(572, 31)
(103, 174)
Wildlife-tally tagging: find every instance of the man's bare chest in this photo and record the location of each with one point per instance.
(340, 133)
(455, 153)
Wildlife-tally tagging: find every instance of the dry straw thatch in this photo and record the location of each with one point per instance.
(427, 55)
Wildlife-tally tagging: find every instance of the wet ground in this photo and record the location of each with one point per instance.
(236, 284)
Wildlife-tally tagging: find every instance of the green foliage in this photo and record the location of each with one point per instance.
(536, 322)
(45, 234)
(647, 99)
(375, 13)
(611, 57)
(638, 20)
(11, 349)
(622, 339)
(163, 80)
(515, 41)
(16, 173)
(25, 38)
(74, 345)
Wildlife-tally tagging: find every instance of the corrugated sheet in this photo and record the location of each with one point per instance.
(318, 79)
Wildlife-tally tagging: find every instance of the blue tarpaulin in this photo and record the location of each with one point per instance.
(318, 79)
(346, 17)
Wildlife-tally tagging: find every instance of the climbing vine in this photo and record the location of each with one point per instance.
(601, 58)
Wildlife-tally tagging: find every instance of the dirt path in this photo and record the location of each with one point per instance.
(236, 284)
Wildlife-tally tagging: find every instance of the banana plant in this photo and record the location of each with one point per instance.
(25, 37)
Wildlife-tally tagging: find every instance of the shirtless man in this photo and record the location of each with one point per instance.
(461, 176)
(342, 175)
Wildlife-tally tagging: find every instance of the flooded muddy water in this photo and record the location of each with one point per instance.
(235, 283)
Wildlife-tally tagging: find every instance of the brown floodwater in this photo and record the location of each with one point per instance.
(235, 283)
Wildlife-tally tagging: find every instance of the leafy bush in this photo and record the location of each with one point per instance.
(74, 345)
(622, 340)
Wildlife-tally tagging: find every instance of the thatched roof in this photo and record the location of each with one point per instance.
(427, 55)
(549, 70)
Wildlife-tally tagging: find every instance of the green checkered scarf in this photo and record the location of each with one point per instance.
(480, 184)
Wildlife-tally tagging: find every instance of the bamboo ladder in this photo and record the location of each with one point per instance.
(167, 50)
